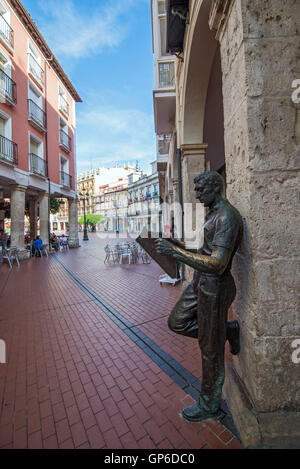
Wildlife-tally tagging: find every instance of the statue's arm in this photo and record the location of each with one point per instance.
(181, 244)
(214, 264)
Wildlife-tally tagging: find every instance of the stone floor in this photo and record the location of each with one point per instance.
(91, 362)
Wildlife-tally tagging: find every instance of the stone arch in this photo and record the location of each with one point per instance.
(199, 58)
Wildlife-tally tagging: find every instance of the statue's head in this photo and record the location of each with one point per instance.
(209, 185)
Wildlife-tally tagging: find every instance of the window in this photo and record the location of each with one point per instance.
(8, 91)
(36, 156)
(65, 178)
(163, 144)
(5, 125)
(163, 36)
(63, 104)
(162, 7)
(64, 139)
(35, 64)
(166, 74)
(35, 107)
(6, 32)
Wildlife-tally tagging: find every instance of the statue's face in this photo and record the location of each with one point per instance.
(205, 192)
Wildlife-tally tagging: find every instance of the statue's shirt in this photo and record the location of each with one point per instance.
(223, 228)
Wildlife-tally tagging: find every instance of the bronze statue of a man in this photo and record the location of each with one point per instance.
(201, 312)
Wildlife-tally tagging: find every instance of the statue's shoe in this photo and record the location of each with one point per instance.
(233, 336)
(194, 413)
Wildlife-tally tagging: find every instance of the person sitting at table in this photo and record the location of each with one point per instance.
(3, 239)
(55, 242)
(64, 240)
(37, 244)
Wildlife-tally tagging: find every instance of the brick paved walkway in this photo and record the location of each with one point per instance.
(87, 346)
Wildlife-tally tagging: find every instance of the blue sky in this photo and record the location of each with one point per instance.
(105, 47)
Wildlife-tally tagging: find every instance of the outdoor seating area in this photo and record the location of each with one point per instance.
(10, 256)
(125, 253)
(59, 243)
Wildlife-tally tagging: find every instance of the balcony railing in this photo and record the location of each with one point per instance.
(6, 32)
(8, 88)
(65, 179)
(64, 140)
(8, 150)
(35, 69)
(64, 105)
(36, 114)
(37, 164)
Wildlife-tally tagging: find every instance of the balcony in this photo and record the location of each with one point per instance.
(36, 116)
(8, 150)
(8, 89)
(6, 33)
(64, 140)
(37, 165)
(64, 105)
(65, 179)
(165, 98)
(35, 70)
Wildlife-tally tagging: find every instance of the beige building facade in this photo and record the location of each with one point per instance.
(237, 112)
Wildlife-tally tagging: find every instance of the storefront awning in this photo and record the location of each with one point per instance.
(177, 15)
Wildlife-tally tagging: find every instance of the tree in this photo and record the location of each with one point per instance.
(54, 206)
(91, 219)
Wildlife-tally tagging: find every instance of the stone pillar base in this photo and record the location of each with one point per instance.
(74, 243)
(23, 254)
(279, 429)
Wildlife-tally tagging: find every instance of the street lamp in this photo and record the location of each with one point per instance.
(83, 196)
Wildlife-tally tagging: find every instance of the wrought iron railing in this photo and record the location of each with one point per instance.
(64, 105)
(8, 87)
(35, 69)
(36, 113)
(64, 140)
(65, 179)
(8, 150)
(6, 31)
(37, 164)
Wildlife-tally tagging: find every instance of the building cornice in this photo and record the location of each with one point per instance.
(32, 29)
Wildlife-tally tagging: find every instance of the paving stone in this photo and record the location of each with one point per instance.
(78, 377)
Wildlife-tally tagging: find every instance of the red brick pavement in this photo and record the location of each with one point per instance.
(73, 379)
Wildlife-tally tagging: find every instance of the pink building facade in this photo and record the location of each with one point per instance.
(37, 127)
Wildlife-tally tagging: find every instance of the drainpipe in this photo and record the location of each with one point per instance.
(179, 169)
(46, 146)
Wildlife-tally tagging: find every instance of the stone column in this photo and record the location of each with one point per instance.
(33, 214)
(193, 163)
(17, 211)
(73, 223)
(262, 385)
(44, 217)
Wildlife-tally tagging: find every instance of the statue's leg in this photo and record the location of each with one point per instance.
(183, 318)
(233, 336)
(215, 297)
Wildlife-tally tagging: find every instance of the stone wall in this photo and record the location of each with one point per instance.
(260, 59)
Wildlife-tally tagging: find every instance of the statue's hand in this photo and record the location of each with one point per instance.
(164, 247)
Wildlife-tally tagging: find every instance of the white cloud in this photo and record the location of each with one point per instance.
(107, 135)
(76, 31)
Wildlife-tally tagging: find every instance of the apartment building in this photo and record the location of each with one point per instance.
(37, 127)
(92, 185)
(164, 94)
(144, 209)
